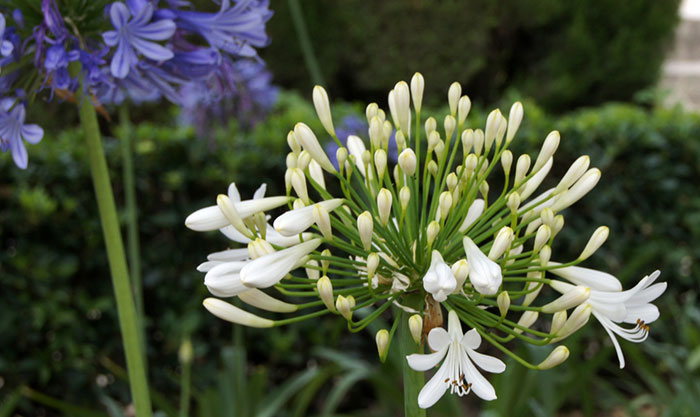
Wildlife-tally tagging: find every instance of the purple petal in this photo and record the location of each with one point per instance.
(152, 50)
(156, 31)
(119, 14)
(2, 25)
(143, 17)
(6, 48)
(123, 58)
(135, 6)
(32, 133)
(111, 37)
(19, 152)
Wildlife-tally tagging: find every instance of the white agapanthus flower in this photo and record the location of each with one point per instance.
(428, 234)
(457, 372)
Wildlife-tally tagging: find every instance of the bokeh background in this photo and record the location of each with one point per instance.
(607, 74)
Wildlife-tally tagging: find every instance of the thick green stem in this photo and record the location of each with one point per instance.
(117, 261)
(307, 48)
(413, 381)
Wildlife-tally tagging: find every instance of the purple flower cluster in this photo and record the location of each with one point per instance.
(138, 50)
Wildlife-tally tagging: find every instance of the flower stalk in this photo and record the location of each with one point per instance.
(413, 380)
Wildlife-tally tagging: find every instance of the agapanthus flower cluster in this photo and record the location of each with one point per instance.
(141, 50)
(458, 227)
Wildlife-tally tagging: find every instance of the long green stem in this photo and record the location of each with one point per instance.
(412, 380)
(307, 48)
(117, 261)
(132, 219)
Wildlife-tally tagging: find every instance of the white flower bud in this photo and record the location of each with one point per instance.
(381, 115)
(398, 178)
(382, 339)
(444, 204)
(404, 197)
(595, 242)
(433, 140)
(527, 319)
(557, 357)
(432, 232)
(470, 163)
(558, 320)
(433, 168)
(400, 140)
(545, 255)
(299, 184)
(229, 312)
(478, 141)
(534, 182)
(384, 205)
(430, 126)
(542, 237)
(467, 141)
(344, 305)
(501, 243)
(402, 98)
(576, 170)
(291, 160)
(268, 270)
(503, 302)
(301, 218)
(547, 216)
(366, 158)
(493, 122)
(259, 247)
(376, 132)
(521, 168)
(578, 190)
(293, 142)
(323, 109)
(484, 189)
(533, 288)
(506, 161)
(322, 220)
(572, 296)
(550, 145)
(308, 141)
(578, 319)
(380, 162)
(558, 224)
(298, 204)
(371, 111)
(417, 87)
(460, 270)
(325, 291)
(485, 275)
(342, 156)
(407, 162)
(316, 173)
(501, 132)
(450, 125)
(303, 160)
(475, 211)
(365, 225)
(312, 272)
(415, 326)
(451, 181)
(372, 264)
(229, 211)
(453, 95)
(325, 263)
(513, 201)
(514, 119)
(463, 107)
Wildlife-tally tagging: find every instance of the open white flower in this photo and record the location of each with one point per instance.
(457, 371)
(439, 280)
(484, 274)
(614, 306)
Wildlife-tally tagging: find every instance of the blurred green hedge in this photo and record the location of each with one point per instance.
(563, 53)
(56, 313)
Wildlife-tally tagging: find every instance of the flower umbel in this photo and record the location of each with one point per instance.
(431, 228)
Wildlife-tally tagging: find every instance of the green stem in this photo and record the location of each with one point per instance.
(185, 390)
(413, 381)
(117, 261)
(132, 220)
(307, 48)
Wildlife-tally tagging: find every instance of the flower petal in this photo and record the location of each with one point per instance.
(480, 385)
(486, 362)
(268, 270)
(594, 279)
(19, 152)
(471, 339)
(151, 50)
(118, 14)
(434, 389)
(32, 133)
(438, 338)
(424, 362)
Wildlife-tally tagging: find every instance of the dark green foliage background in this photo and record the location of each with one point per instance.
(564, 54)
(56, 314)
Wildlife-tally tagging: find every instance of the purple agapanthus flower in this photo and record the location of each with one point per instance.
(6, 46)
(13, 131)
(136, 35)
(56, 66)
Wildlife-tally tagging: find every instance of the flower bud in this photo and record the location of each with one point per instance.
(233, 314)
(513, 202)
(576, 170)
(484, 189)
(186, 352)
(550, 145)
(557, 357)
(532, 288)
(402, 98)
(433, 140)
(312, 272)
(440, 149)
(545, 255)
(558, 224)
(316, 173)
(476, 209)
(503, 301)
(578, 319)
(542, 237)
(571, 298)
(384, 205)
(372, 264)
(382, 116)
(323, 109)
(527, 319)
(506, 161)
(578, 190)
(371, 111)
(365, 225)
(453, 95)
(376, 132)
(303, 160)
(400, 140)
(430, 126)
(380, 162)
(452, 181)
(432, 232)
(521, 168)
(463, 107)
(478, 141)
(293, 142)
(501, 132)
(450, 125)
(460, 270)
(342, 156)
(310, 143)
(558, 320)
(407, 161)
(501, 243)
(325, 291)
(299, 184)
(229, 211)
(291, 160)
(323, 221)
(467, 141)
(493, 121)
(547, 216)
(417, 87)
(415, 325)
(433, 168)
(404, 197)
(258, 248)
(444, 204)
(382, 339)
(514, 119)
(298, 204)
(325, 263)
(595, 242)
(344, 305)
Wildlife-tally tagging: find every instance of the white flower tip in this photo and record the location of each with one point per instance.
(229, 312)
